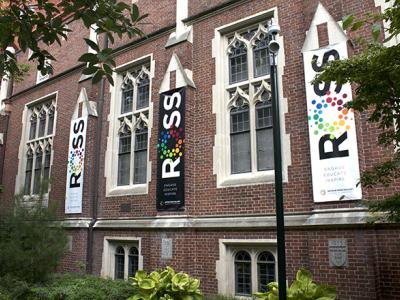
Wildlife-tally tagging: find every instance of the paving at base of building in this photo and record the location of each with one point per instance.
(173, 165)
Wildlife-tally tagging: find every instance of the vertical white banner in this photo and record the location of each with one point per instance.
(75, 168)
(333, 140)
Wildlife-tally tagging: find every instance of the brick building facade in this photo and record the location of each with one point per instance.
(226, 228)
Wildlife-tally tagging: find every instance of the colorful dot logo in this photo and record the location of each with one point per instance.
(328, 115)
(75, 162)
(171, 143)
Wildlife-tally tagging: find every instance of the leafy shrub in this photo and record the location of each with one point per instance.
(12, 288)
(165, 285)
(303, 288)
(31, 243)
(67, 287)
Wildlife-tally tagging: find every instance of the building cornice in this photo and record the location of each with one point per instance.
(331, 218)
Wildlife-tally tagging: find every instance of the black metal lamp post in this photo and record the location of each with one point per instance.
(273, 46)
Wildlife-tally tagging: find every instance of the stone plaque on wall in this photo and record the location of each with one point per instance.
(338, 254)
(166, 248)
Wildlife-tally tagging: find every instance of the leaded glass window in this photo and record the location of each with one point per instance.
(264, 132)
(265, 270)
(248, 68)
(119, 263)
(28, 172)
(133, 122)
(240, 140)
(124, 158)
(243, 273)
(42, 124)
(32, 129)
(238, 63)
(46, 170)
(50, 123)
(140, 164)
(133, 263)
(127, 97)
(38, 171)
(261, 57)
(143, 93)
(41, 131)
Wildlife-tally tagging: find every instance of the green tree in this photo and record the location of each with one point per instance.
(38, 24)
(375, 73)
(31, 241)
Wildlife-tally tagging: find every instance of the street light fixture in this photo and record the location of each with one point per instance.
(274, 46)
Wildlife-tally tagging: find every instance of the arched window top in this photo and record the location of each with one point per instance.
(237, 46)
(42, 113)
(127, 83)
(261, 38)
(133, 251)
(266, 257)
(39, 150)
(51, 109)
(238, 99)
(143, 77)
(239, 109)
(120, 250)
(242, 256)
(141, 122)
(125, 127)
(48, 147)
(263, 93)
(29, 153)
(33, 117)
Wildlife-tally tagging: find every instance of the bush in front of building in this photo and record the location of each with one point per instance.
(31, 243)
(165, 285)
(66, 287)
(303, 288)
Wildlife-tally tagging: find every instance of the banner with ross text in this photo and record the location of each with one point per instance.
(333, 140)
(75, 167)
(171, 151)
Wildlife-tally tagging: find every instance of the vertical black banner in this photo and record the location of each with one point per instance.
(171, 151)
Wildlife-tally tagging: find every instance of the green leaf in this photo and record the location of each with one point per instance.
(89, 57)
(134, 12)
(347, 20)
(147, 284)
(97, 76)
(357, 25)
(92, 45)
(90, 70)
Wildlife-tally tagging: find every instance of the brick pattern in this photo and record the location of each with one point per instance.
(196, 252)
(373, 270)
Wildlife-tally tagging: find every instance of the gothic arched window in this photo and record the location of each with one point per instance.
(243, 273)
(119, 263)
(265, 270)
(133, 261)
(240, 139)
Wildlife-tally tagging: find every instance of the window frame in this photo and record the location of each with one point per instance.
(130, 121)
(225, 266)
(226, 91)
(44, 144)
(110, 245)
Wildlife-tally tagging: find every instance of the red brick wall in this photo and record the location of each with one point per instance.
(373, 270)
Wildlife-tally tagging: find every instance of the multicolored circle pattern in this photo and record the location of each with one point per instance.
(329, 115)
(171, 143)
(75, 163)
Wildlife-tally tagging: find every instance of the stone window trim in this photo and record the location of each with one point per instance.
(110, 245)
(227, 91)
(43, 143)
(225, 266)
(39, 77)
(140, 117)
